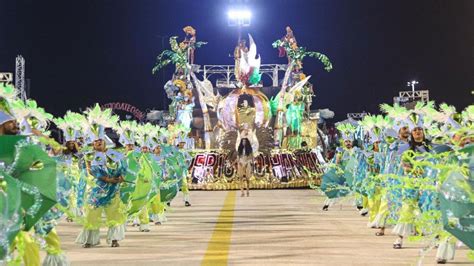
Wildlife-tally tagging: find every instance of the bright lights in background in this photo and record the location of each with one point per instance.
(412, 85)
(239, 17)
(239, 14)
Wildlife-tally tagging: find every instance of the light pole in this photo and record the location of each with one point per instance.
(412, 85)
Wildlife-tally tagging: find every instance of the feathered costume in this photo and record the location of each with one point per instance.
(103, 196)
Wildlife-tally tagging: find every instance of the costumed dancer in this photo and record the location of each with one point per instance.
(10, 190)
(190, 42)
(35, 212)
(418, 144)
(170, 166)
(157, 206)
(244, 164)
(135, 189)
(71, 162)
(185, 111)
(333, 181)
(184, 162)
(34, 124)
(107, 169)
(451, 151)
(290, 39)
(397, 137)
(294, 117)
(240, 49)
(374, 126)
(146, 182)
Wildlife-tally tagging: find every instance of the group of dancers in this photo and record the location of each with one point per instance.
(409, 169)
(88, 176)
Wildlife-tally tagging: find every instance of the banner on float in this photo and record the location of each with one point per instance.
(126, 107)
(207, 166)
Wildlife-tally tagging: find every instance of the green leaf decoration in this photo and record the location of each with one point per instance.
(300, 53)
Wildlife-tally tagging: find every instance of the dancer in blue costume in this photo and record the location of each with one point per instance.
(418, 144)
(390, 194)
(334, 181)
(107, 168)
(396, 137)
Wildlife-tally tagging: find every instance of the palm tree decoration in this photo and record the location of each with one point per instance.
(297, 54)
(177, 55)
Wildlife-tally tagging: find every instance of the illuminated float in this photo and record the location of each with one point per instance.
(277, 120)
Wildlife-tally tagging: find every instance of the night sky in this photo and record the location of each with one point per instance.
(86, 51)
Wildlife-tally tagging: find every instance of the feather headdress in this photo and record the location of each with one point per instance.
(146, 135)
(347, 130)
(30, 116)
(468, 115)
(70, 125)
(448, 116)
(127, 131)
(97, 121)
(374, 126)
(397, 113)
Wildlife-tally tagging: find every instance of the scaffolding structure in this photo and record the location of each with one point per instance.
(410, 98)
(20, 77)
(423, 96)
(6, 77)
(227, 72)
(357, 116)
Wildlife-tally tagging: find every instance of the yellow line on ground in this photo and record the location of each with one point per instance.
(217, 252)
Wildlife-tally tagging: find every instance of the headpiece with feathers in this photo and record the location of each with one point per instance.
(374, 126)
(127, 131)
(448, 115)
(416, 117)
(31, 116)
(70, 125)
(97, 121)
(468, 116)
(347, 130)
(146, 135)
(397, 113)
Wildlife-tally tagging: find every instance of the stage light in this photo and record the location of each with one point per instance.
(239, 17)
(239, 14)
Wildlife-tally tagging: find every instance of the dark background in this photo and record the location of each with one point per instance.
(86, 51)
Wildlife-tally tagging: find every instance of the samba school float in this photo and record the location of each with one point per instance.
(277, 120)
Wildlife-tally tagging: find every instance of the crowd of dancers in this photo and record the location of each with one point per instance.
(88, 176)
(410, 170)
